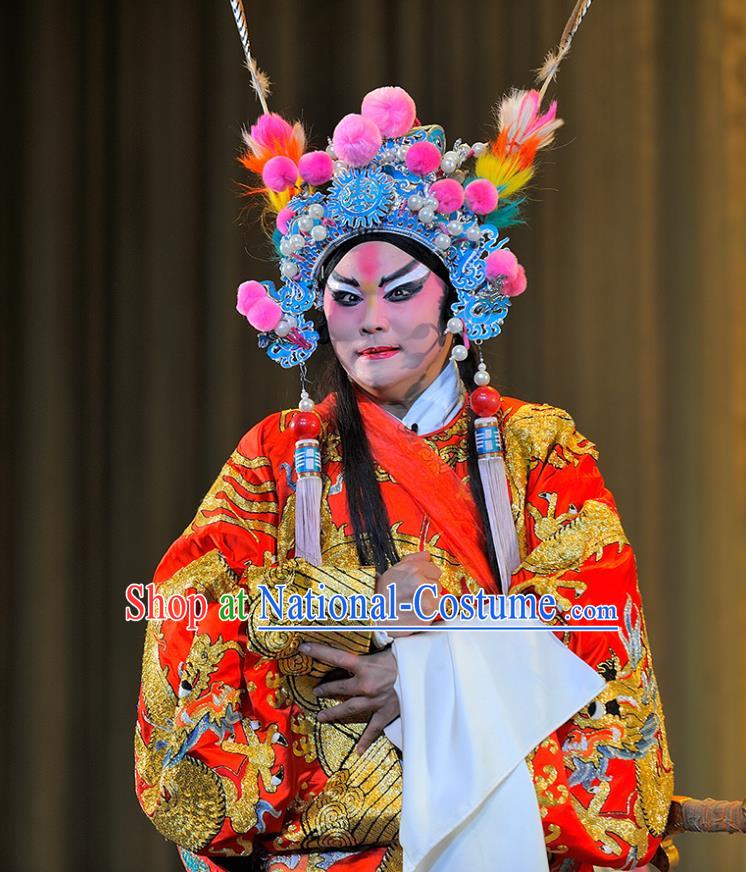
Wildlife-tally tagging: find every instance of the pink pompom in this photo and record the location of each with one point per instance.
(248, 294)
(500, 263)
(517, 285)
(279, 173)
(284, 217)
(504, 264)
(356, 140)
(264, 315)
(270, 129)
(391, 109)
(423, 158)
(481, 196)
(449, 194)
(316, 168)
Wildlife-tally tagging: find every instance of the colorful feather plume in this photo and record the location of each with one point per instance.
(509, 162)
(272, 136)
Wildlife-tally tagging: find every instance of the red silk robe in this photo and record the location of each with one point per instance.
(230, 760)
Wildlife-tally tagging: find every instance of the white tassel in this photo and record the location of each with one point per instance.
(308, 500)
(497, 497)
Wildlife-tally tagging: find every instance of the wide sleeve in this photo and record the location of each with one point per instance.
(216, 762)
(605, 779)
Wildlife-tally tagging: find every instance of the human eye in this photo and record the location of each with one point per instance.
(345, 298)
(404, 292)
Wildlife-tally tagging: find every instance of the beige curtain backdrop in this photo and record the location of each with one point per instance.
(128, 377)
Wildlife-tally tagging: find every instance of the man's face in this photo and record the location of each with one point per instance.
(382, 309)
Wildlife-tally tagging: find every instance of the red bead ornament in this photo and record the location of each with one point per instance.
(485, 401)
(306, 425)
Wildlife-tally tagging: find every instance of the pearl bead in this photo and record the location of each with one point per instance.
(316, 210)
(401, 152)
(289, 268)
(459, 352)
(481, 378)
(415, 202)
(432, 202)
(305, 222)
(450, 155)
(454, 227)
(292, 320)
(426, 215)
(306, 404)
(318, 233)
(473, 234)
(339, 167)
(330, 151)
(448, 165)
(442, 240)
(454, 325)
(286, 246)
(297, 242)
(479, 148)
(283, 328)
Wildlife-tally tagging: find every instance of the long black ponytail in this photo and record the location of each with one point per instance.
(368, 514)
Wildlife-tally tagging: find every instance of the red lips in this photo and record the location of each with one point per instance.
(379, 351)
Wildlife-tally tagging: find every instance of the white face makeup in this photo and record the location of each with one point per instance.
(382, 309)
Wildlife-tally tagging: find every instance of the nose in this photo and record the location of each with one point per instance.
(374, 316)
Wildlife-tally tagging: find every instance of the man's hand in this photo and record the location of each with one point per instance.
(407, 575)
(368, 692)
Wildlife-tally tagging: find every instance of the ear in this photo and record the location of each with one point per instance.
(446, 301)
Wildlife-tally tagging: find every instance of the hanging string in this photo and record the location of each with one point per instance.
(304, 380)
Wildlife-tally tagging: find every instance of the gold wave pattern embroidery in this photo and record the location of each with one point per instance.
(237, 498)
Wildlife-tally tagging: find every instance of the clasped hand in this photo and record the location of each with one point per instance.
(369, 691)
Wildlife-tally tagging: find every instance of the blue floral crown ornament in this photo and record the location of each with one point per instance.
(385, 195)
(385, 171)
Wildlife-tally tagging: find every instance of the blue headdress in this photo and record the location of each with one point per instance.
(383, 171)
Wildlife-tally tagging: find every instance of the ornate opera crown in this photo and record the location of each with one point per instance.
(383, 171)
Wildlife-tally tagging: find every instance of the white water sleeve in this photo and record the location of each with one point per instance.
(474, 704)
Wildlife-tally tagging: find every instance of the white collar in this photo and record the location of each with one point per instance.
(438, 403)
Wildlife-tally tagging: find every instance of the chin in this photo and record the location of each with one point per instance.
(375, 375)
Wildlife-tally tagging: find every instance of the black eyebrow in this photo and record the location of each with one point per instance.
(395, 275)
(384, 281)
(341, 278)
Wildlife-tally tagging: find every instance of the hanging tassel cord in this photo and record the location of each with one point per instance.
(308, 477)
(307, 518)
(497, 496)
